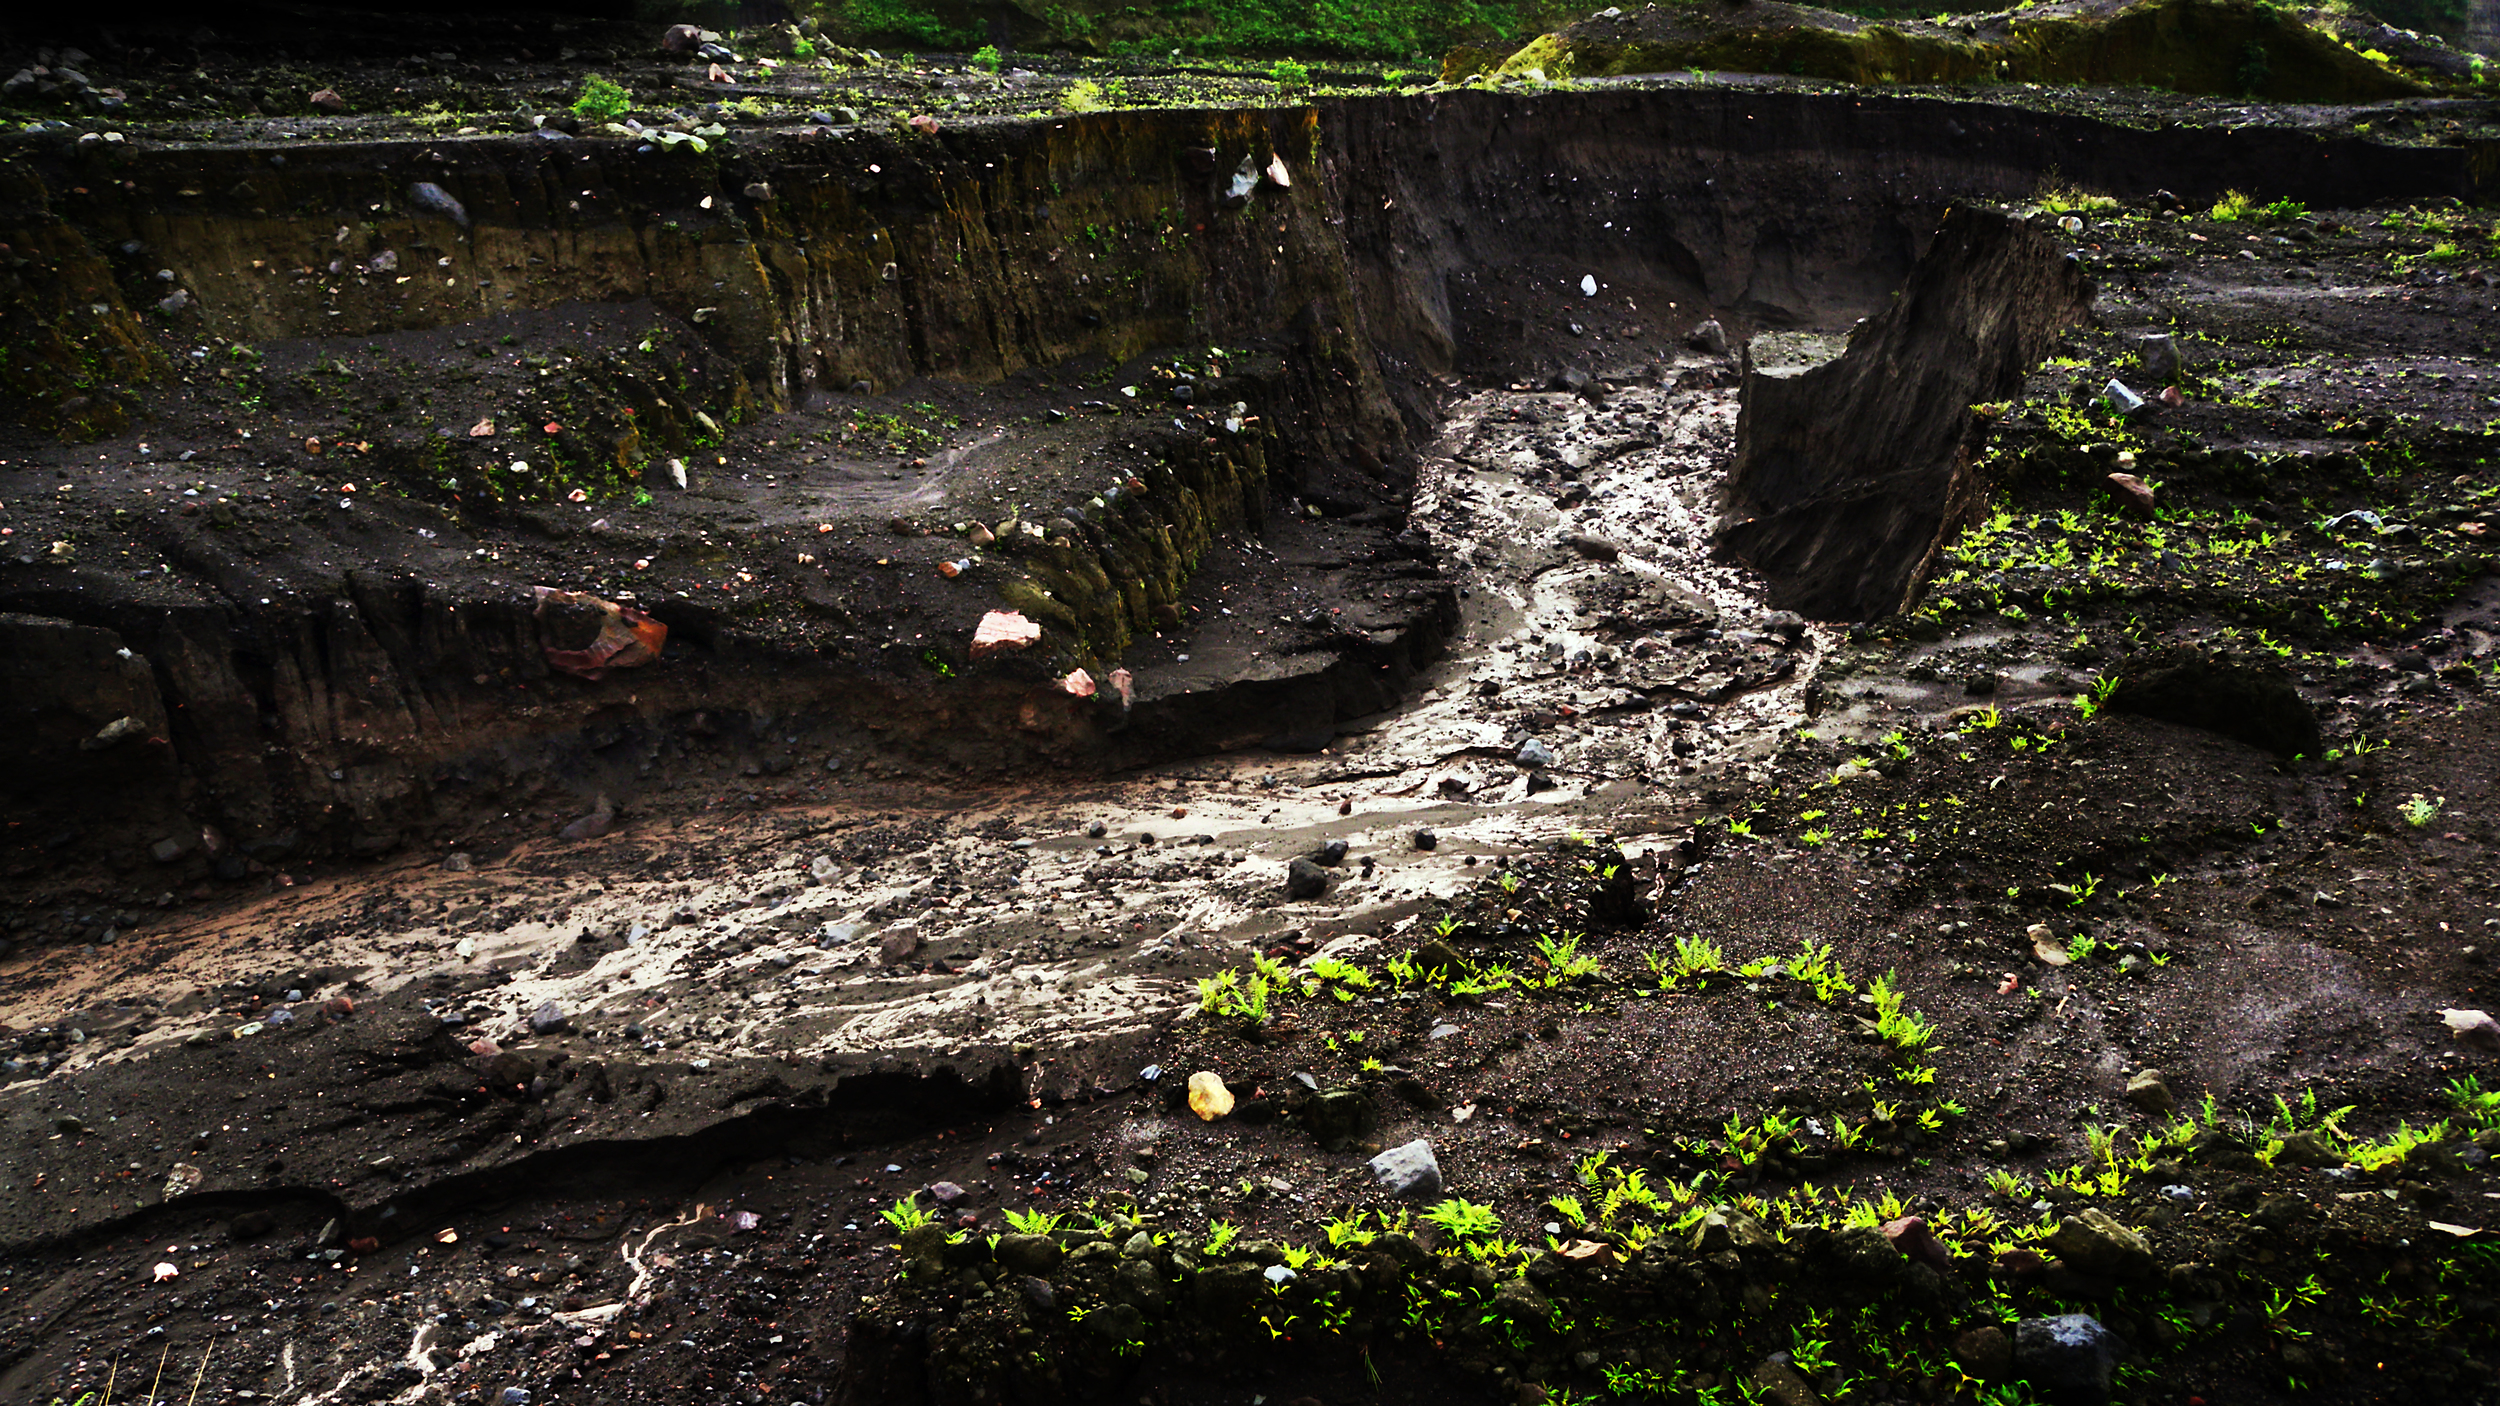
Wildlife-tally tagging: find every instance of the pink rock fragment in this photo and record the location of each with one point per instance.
(1124, 684)
(2136, 491)
(1078, 683)
(1002, 631)
(1915, 1241)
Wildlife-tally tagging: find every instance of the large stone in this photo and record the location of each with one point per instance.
(1729, 1230)
(1985, 1353)
(1227, 1289)
(2068, 1359)
(1336, 1118)
(1303, 879)
(1208, 1098)
(2149, 1091)
(1003, 632)
(2472, 1027)
(2309, 1148)
(2158, 354)
(2092, 1242)
(1776, 1382)
(1409, 1169)
(1912, 1237)
(1029, 1254)
(1864, 1256)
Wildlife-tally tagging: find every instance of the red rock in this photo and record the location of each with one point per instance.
(328, 100)
(2138, 493)
(1915, 1241)
(1002, 632)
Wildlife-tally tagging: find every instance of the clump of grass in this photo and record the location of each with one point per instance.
(986, 58)
(2236, 207)
(1289, 74)
(602, 99)
(2061, 198)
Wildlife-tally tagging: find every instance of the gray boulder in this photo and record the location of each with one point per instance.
(2068, 1359)
(1408, 1170)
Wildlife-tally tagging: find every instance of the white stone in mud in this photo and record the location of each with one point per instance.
(1409, 1169)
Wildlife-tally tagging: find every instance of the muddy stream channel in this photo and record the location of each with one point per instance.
(1054, 914)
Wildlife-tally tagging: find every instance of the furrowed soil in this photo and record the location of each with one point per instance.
(1796, 1004)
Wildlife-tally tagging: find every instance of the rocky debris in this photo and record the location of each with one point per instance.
(2309, 1147)
(181, 1179)
(898, 944)
(1408, 1169)
(1709, 338)
(1534, 755)
(2473, 1028)
(1208, 1098)
(2046, 946)
(2069, 1359)
(2092, 1242)
(328, 100)
(458, 862)
(2185, 685)
(686, 38)
(2149, 1091)
(1593, 547)
(548, 1019)
(1003, 632)
(600, 819)
(1425, 839)
(1331, 855)
(1303, 879)
(2120, 398)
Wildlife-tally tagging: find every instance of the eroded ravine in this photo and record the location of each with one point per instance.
(751, 969)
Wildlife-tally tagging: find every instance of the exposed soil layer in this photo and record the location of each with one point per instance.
(592, 1076)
